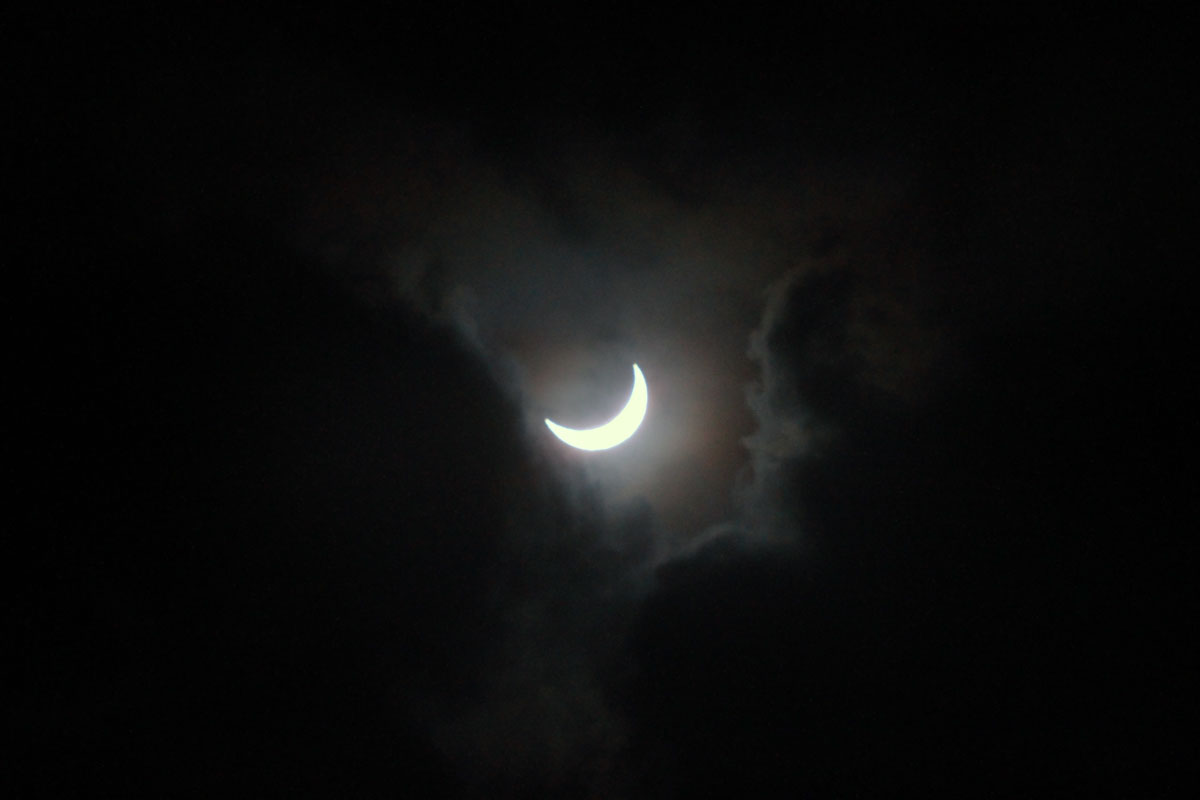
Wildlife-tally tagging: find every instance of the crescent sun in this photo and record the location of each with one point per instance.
(617, 429)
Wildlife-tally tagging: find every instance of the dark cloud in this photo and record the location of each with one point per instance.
(951, 541)
(272, 527)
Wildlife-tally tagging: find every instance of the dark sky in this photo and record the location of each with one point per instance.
(911, 511)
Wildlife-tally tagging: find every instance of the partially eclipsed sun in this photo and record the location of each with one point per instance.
(617, 429)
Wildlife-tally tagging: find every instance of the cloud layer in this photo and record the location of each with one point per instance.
(900, 514)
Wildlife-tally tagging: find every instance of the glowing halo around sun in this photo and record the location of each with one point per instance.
(617, 429)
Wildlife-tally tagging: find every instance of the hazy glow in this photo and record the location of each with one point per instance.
(617, 429)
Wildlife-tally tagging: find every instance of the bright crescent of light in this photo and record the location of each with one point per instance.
(617, 429)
